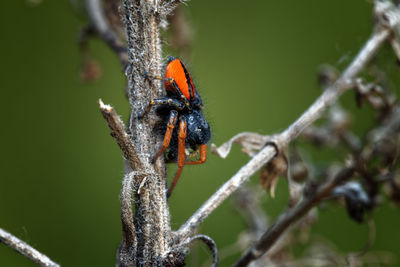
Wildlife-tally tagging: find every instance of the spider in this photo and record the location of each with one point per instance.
(182, 103)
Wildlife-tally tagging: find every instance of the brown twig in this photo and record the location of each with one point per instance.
(25, 249)
(117, 128)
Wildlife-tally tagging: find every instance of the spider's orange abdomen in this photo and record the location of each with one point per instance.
(177, 71)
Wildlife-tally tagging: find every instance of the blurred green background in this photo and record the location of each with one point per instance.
(255, 66)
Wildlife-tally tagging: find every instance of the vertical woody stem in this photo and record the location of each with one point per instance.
(151, 216)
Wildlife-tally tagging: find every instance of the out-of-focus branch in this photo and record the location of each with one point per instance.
(291, 216)
(25, 249)
(181, 38)
(99, 22)
(330, 95)
(247, 202)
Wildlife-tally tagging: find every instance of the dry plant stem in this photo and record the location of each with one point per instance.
(329, 96)
(25, 249)
(146, 233)
(142, 19)
(291, 216)
(99, 22)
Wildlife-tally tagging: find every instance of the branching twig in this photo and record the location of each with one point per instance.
(100, 24)
(25, 249)
(329, 96)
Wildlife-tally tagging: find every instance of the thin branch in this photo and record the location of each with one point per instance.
(25, 249)
(315, 111)
(331, 94)
(291, 216)
(102, 27)
(120, 135)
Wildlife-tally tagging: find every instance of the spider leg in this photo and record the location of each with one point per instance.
(179, 92)
(168, 134)
(153, 76)
(163, 101)
(181, 152)
(174, 85)
(203, 156)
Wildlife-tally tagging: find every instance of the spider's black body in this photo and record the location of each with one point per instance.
(181, 104)
(198, 130)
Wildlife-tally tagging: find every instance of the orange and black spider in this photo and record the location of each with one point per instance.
(182, 103)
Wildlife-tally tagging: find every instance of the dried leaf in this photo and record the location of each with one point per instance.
(271, 172)
(251, 143)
